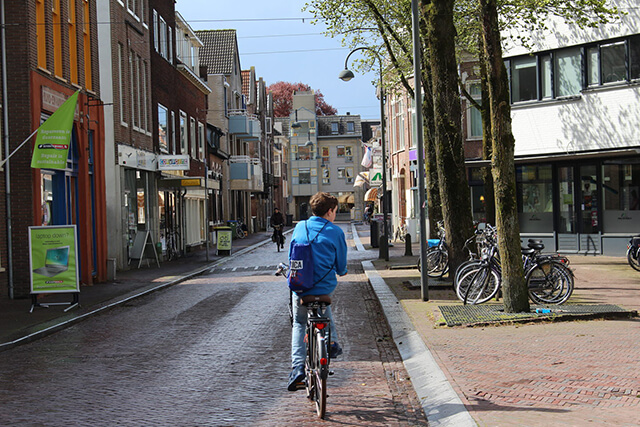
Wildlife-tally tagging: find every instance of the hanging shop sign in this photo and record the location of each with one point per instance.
(174, 162)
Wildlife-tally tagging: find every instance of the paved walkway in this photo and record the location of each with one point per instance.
(549, 373)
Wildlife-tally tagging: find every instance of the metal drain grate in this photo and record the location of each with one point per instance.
(459, 315)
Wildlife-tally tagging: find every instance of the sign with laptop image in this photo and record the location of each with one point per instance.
(53, 259)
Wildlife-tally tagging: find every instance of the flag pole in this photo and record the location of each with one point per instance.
(19, 147)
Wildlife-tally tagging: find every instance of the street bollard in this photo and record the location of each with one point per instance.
(407, 245)
(383, 250)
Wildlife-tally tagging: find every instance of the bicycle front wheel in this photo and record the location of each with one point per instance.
(481, 284)
(465, 267)
(633, 258)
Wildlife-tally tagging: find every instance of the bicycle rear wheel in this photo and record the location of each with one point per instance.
(549, 282)
(437, 262)
(321, 371)
(481, 284)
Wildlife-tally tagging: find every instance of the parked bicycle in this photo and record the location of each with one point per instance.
(317, 340)
(633, 253)
(241, 229)
(278, 237)
(172, 245)
(401, 231)
(548, 277)
(437, 257)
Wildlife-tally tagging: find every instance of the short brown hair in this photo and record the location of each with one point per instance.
(321, 203)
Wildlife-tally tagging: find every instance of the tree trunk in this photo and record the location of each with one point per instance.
(434, 207)
(516, 298)
(487, 146)
(454, 187)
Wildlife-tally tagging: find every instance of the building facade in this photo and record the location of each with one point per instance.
(340, 152)
(49, 62)
(575, 109)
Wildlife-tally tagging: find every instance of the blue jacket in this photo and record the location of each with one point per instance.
(329, 252)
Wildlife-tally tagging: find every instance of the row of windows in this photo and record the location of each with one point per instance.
(189, 131)
(138, 90)
(137, 9)
(75, 25)
(568, 71)
(162, 37)
(335, 127)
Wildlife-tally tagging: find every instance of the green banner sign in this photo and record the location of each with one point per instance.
(54, 259)
(52, 143)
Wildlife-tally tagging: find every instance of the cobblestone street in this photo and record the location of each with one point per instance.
(213, 350)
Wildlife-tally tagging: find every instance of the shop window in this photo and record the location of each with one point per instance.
(621, 195)
(535, 198)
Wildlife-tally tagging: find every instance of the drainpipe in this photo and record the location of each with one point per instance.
(5, 137)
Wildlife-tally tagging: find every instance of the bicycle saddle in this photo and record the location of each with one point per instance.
(308, 299)
(536, 244)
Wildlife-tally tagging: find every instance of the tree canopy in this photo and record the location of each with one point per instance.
(283, 99)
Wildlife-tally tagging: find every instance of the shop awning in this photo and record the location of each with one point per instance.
(371, 195)
(346, 199)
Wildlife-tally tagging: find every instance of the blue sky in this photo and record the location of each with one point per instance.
(296, 50)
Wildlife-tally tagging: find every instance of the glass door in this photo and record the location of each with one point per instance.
(567, 208)
(589, 200)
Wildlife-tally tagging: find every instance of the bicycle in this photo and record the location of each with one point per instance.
(548, 278)
(241, 229)
(317, 340)
(278, 237)
(401, 231)
(437, 257)
(173, 245)
(633, 253)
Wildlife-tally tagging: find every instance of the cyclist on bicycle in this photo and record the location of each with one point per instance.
(277, 223)
(330, 258)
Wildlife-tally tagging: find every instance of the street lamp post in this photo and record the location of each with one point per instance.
(424, 277)
(347, 75)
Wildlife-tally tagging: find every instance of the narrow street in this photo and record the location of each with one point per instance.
(211, 351)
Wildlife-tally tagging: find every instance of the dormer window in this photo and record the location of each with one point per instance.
(334, 128)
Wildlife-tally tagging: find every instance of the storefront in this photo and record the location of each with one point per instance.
(74, 195)
(588, 205)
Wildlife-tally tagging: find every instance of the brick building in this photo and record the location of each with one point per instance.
(48, 63)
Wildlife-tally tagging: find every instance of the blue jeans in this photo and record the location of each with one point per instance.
(298, 330)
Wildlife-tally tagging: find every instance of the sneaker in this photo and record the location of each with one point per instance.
(335, 350)
(296, 379)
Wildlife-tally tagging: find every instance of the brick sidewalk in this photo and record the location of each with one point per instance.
(566, 373)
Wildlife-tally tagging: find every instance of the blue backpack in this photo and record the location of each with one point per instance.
(301, 265)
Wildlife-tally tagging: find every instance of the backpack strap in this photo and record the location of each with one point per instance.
(311, 241)
(306, 228)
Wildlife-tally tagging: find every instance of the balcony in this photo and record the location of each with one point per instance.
(245, 174)
(243, 125)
